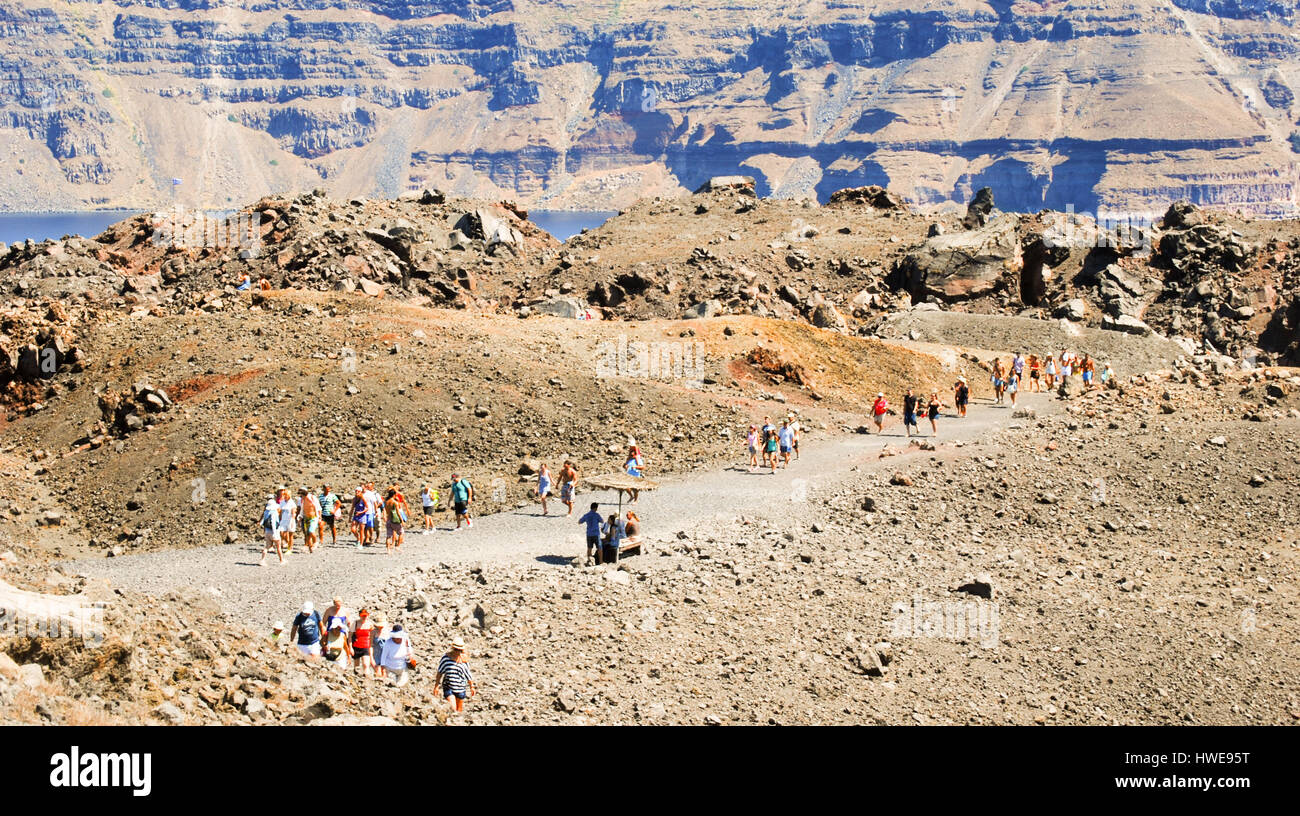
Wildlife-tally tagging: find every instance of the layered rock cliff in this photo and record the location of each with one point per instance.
(1086, 104)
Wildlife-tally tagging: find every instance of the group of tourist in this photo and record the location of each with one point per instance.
(319, 513)
(772, 443)
(373, 649)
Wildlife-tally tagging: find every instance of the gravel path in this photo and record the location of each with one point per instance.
(262, 595)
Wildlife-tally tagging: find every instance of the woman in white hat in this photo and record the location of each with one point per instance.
(454, 678)
(398, 656)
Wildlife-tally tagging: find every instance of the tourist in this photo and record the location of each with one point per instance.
(1013, 385)
(462, 496)
(1035, 373)
(360, 507)
(961, 396)
(398, 655)
(998, 381)
(1018, 365)
(568, 484)
(362, 641)
(374, 513)
(909, 412)
(306, 630)
(428, 503)
(543, 486)
(453, 677)
(309, 510)
(769, 448)
(1089, 370)
(593, 521)
(271, 529)
(1051, 372)
(878, 410)
(632, 466)
(393, 520)
(932, 411)
(288, 513)
(785, 437)
(1106, 375)
(614, 532)
(380, 637)
(336, 612)
(632, 525)
(798, 432)
(336, 646)
(330, 505)
(277, 634)
(751, 447)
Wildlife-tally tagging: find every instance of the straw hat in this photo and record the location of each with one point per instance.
(458, 644)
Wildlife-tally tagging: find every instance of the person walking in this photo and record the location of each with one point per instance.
(593, 521)
(398, 655)
(769, 449)
(454, 677)
(330, 507)
(1013, 385)
(462, 496)
(932, 411)
(634, 466)
(568, 484)
(544, 486)
(798, 432)
(380, 637)
(1035, 373)
(1051, 372)
(785, 438)
(362, 643)
(309, 511)
(288, 512)
(271, 530)
(751, 445)
(360, 507)
(306, 631)
(374, 513)
(961, 396)
(910, 401)
(878, 410)
(428, 503)
(999, 382)
(393, 520)
(337, 649)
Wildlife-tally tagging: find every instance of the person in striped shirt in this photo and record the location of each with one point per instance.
(454, 677)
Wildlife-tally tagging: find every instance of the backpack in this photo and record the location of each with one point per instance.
(268, 521)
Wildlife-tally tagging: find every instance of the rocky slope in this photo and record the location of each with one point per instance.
(591, 105)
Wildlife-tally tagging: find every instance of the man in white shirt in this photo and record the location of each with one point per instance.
(271, 529)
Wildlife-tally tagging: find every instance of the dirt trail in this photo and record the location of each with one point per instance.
(259, 596)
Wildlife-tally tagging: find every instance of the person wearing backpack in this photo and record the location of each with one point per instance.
(462, 495)
(271, 529)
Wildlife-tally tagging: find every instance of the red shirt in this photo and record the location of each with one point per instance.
(880, 406)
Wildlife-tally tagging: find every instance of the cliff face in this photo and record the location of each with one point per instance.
(1083, 104)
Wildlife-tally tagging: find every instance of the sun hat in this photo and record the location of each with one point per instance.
(631, 442)
(308, 607)
(458, 643)
(880, 393)
(336, 623)
(278, 625)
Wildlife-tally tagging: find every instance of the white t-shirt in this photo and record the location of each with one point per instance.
(395, 654)
(286, 516)
(426, 499)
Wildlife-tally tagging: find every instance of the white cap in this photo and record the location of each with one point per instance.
(278, 625)
(308, 607)
(880, 394)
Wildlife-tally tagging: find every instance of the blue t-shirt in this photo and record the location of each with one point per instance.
(593, 522)
(308, 628)
(460, 490)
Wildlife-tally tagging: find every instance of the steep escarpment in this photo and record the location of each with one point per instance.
(593, 105)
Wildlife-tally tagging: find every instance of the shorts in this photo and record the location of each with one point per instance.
(593, 542)
(394, 528)
(785, 449)
(428, 510)
(909, 418)
(1087, 376)
(566, 491)
(359, 653)
(462, 508)
(310, 526)
(310, 649)
(327, 522)
(459, 695)
(879, 419)
(272, 536)
(370, 521)
(1033, 375)
(753, 449)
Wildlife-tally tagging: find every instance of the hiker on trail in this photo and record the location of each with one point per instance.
(593, 521)
(1018, 365)
(306, 630)
(1106, 375)
(394, 517)
(633, 466)
(309, 510)
(932, 411)
(336, 612)
(785, 437)
(362, 640)
(568, 483)
(1013, 385)
(909, 412)
(1089, 370)
(330, 505)
(798, 432)
(878, 410)
(380, 638)
(462, 496)
(428, 503)
(271, 529)
(1051, 372)
(398, 655)
(614, 532)
(336, 646)
(277, 634)
(1035, 373)
(769, 448)
(543, 486)
(961, 396)
(359, 509)
(1067, 368)
(453, 677)
(751, 445)
(766, 430)
(288, 512)
(999, 381)
(373, 514)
